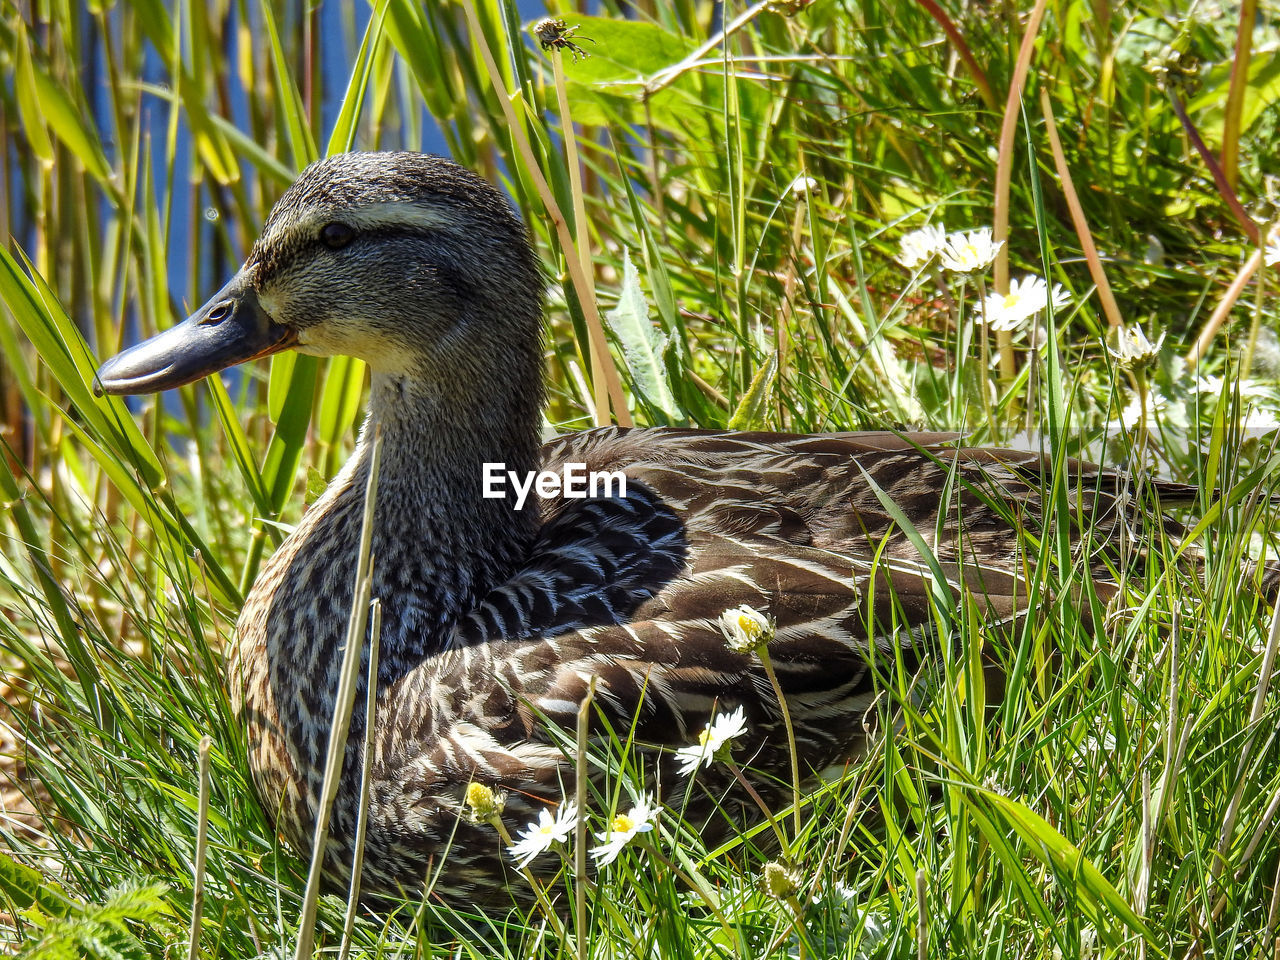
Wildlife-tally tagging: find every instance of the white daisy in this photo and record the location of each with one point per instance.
(920, 246)
(623, 829)
(538, 837)
(802, 185)
(1133, 349)
(1259, 421)
(746, 628)
(1026, 297)
(1271, 256)
(967, 252)
(717, 735)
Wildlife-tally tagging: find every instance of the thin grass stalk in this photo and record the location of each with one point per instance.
(976, 73)
(202, 850)
(922, 922)
(580, 828)
(1225, 189)
(764, 807)
(1220, 312)
(1105, 297)
(1255, 715)
(1144, 863)
(366, 775)
(581, 233)
(1273, 914)
(664, 78)
(1235, 95)
(539, 893)
(765, 660)
(1004, 175)
(581, 282)
(1171, 724)
(1263, 828)
(343, 703)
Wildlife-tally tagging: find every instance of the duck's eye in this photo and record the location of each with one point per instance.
(336, 235)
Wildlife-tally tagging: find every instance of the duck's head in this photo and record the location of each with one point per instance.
(407, 261)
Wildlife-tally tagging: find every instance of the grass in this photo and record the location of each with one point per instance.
(756, 170)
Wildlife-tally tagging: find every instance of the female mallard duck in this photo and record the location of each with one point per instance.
(494, 616)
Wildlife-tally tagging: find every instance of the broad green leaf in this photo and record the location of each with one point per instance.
(62, 349)
(343, 137)
(752, 411)
(278, 381)
(67, 122)
(24, 87)
(302, 144)
(284, 452)
(1048, 845)
(26, 888)
(642, 344)
(229, 417)
(340, 398)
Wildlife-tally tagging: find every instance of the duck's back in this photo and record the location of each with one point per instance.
(808, 529)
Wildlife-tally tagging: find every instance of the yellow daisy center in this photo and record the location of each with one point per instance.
(478, 795)
(703, 737)
(622, 824)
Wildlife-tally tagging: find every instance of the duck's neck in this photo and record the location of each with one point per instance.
(439, 543)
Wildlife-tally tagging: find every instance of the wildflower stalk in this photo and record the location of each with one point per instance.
(366, 777)
(1008, 365)
(782, 883)
(697, 884)
(984, 367)
(1140, 380)
(580, 792)
(767, 663)
(764, 808)
(544, 903)
(599, 381)
(202, 848)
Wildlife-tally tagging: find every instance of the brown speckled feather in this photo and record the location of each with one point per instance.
(629, 591)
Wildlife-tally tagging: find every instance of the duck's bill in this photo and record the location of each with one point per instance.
(231, 328)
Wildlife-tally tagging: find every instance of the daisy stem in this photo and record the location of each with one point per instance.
(1008, 366)
(538, 892)
(768, 814)
(699, 886)
(1140, 377)
(984, 365)
(796, 920)
(580, 795)
(791, 735)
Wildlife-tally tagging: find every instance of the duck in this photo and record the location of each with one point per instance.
(501, 613)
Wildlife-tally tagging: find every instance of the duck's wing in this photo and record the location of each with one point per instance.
(808, 530)
(792, 514)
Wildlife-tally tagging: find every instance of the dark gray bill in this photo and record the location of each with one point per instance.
(231, 328)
